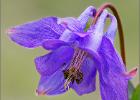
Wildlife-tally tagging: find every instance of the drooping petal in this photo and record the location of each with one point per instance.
(113, 84)
(51, 85)
(89, 76)
(32, 34)
(111, 32)
(51, 62)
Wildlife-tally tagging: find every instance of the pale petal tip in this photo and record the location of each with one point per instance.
(131, 74)
(40, 93)
(10, 31)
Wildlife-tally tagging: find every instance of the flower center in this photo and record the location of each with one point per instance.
(73, 73)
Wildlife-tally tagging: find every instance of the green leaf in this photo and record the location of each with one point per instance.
(136, 93)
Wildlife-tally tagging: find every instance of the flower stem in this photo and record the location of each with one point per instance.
(120, 30)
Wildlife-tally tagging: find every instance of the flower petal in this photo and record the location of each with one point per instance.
(71, 23)
(53, 44)
(32, 34)
(113, 84)
(82, 34)
(89, 76)
(68, 36)
(51, 85)
(51, 62)
(74, 29)
(111, 32)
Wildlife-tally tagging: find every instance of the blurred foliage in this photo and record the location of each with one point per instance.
(136, 93)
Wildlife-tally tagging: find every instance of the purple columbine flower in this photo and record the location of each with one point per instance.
(76, 55)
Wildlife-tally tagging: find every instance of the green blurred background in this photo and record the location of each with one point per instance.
(19, 78)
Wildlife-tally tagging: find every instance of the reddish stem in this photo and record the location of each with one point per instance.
(120, 30)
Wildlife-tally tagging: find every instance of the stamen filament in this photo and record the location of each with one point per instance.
(74, 71)
(78, 58)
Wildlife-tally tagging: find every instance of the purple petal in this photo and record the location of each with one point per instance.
(113, 84)
(53, 44)
(32, 34)
(71, 23)
(82, 34)
(73, 31)
(89, 76)
(49, 63)
(51, 85)
(68, 36)
(111, 32)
